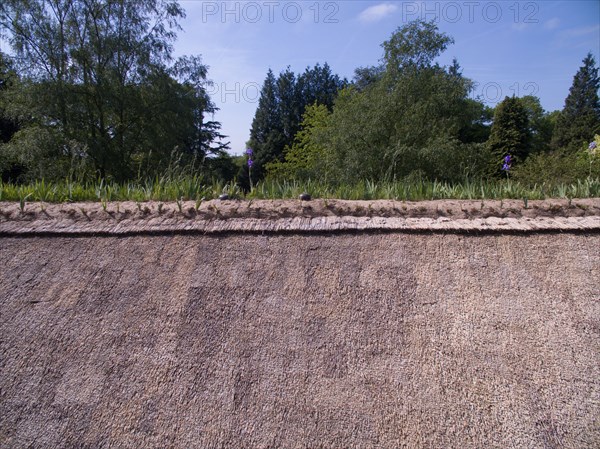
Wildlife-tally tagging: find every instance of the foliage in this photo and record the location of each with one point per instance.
(10, 168)
(510, 133)
(408, 119)
(194, 188)
(561, 166)
(541, 123)
(281, 106)
(305, 158)
(266, 134)
(476, 122)
(414, 46)
(367, 76)
(94, 95)
(580, 118)
(319, 85)
(98, 75)
(8, 79)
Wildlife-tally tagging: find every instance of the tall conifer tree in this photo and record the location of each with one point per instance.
(510, 133)
(266, 134)
(282, 103)
(579, 120)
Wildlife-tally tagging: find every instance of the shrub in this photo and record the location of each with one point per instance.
(557, 168)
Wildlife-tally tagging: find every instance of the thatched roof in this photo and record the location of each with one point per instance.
(326, 339)
(284, 216)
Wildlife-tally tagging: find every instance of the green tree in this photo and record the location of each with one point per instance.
(8, 123)
(476, 117)
(266, 135)
(281, 106)
(183, 128)
(289, 106)
(476, 123)
(367, 76)
(408, 119)
(579, 120)
(306, 158)
(103, 81)
(414, 46)
(10, 168)
(541, 123)
(319, 85)
(511, 133)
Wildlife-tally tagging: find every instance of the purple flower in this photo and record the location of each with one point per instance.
(507, 163)
(250, 163)
(592, 146)
(249, 152)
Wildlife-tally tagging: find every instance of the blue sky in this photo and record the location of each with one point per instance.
(507, 47)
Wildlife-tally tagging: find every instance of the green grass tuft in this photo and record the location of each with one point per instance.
(191, 188)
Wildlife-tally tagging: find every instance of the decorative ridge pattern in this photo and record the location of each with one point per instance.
(298, 224)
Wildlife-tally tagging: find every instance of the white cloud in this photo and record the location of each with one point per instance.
(552, 23)
(582, 31)
(377, 12)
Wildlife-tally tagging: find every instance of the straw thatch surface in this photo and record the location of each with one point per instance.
(127, 218)
(300, 340)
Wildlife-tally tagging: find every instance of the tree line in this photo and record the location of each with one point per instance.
(409, 118)
(91, 90)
